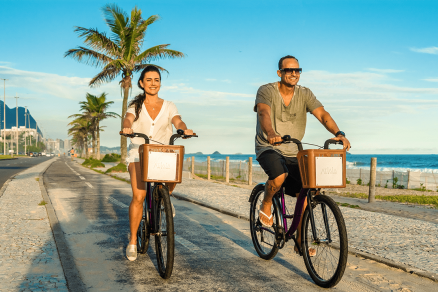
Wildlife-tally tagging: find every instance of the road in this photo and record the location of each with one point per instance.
(11, 167)
(214, 252)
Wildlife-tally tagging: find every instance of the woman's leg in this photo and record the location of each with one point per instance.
(138, 195)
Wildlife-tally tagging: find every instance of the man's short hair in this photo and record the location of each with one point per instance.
(280, 63)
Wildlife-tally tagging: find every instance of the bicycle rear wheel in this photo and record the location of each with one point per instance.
(164, 238)
(263, 238)
(327, 267)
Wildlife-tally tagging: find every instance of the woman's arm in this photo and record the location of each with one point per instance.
(179, 124)
(127, 123)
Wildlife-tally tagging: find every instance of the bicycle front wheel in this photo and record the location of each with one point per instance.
(263, 238)
(164, 238)
(327, 267)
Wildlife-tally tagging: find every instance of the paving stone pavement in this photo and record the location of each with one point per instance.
(28, 255)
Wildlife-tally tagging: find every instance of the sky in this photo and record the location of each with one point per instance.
(372, 64)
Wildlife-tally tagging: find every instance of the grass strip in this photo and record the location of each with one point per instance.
(420, 200)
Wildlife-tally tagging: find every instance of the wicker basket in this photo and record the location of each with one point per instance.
(322, 168)
(161, 163)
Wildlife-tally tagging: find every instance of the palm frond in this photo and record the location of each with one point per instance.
(158, 52)
(116, 19)
(98, 41)
(106, 75)
(88, 56)
(140, 67)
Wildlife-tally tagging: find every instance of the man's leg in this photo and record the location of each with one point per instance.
(271, 188)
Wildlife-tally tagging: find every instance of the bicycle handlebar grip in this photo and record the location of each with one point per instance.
(180, 132)
(287, 138)
(331, 141)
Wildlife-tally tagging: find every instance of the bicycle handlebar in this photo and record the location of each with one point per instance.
(288, 139)
(331, 141)
(180, 134)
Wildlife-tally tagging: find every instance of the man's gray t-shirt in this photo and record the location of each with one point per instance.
(286, 120)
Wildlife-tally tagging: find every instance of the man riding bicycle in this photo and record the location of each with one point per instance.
(281, 110)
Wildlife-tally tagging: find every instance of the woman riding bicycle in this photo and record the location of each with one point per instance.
(153, 116)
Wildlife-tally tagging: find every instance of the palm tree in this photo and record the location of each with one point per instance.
(121, 52)
(95, 109)
(80, 130)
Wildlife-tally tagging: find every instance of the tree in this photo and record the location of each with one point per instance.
(80, 130)
(95, 109)
(121, 52)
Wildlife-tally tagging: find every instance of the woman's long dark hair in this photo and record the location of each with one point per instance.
(139, 99)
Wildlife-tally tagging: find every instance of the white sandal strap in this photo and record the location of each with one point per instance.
(269, 217)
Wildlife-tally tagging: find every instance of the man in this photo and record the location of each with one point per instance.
(281, 110)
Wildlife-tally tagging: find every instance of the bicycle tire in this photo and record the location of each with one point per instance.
(264, 241)
(164, 238)
(337, 250)
(142, 237)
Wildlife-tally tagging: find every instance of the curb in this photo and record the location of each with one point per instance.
(8, 159)
(71, 274)
(352, 251)
(5, 185)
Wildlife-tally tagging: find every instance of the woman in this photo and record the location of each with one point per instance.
(153, 116)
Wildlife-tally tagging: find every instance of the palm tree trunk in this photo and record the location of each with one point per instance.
(86, 147)
(98, 142)
(94, 144)
(123, 140)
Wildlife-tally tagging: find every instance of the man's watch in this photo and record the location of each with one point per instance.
(339, 133)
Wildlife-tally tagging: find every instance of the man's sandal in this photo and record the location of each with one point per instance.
(269, 218)
(312, 251)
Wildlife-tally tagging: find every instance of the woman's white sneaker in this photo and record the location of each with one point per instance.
(131, 252)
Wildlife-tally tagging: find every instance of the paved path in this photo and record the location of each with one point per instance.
(408, 241)
(214, 251)
(28, 255)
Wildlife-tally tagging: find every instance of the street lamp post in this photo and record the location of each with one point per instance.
(25, 131)
(16, 118)
(4, 115)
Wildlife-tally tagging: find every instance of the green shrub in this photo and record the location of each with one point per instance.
(348, 182)
(113, 157)
(96, 163)
(121, 167)
(359, 181)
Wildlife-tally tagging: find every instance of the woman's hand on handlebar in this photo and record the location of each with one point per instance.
(344, 141)
(274, 139)
(127, 131)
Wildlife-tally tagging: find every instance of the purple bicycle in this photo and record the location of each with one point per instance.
(322, 229)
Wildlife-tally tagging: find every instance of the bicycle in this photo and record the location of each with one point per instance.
(157, 217)
(322, 229)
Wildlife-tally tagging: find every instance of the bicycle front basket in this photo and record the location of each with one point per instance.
(322, 168)
(161, 163)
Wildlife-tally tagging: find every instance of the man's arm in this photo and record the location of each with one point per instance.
(327, 121)
(264, 113)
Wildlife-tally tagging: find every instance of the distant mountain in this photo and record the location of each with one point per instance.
(216, 153)
(11, 120)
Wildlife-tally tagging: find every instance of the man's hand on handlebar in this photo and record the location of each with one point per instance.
(274, 139)
(344, 140)
(188, 132)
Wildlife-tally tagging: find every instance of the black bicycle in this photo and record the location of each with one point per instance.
(323, 229)
(157, 218)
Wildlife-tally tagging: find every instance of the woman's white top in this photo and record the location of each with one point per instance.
(159, 129)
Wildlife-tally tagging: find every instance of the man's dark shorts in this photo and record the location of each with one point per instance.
(275, 164)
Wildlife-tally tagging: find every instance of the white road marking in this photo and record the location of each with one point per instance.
(117, 202)
(81, 177)
(88, 184)
(72, 169)
(190, 246)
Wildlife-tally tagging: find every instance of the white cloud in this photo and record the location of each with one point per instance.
(385, 70)
(431, 79)
(429, 50)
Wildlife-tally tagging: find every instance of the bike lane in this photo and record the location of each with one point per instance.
(213, 251)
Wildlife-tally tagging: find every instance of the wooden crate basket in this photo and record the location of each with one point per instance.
(322, 168)
(161, 163)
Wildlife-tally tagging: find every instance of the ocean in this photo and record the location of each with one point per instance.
(398, 162)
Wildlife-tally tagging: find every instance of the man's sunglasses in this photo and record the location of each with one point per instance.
(290, 70)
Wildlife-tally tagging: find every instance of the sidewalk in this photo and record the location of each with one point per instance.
(29, 258)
